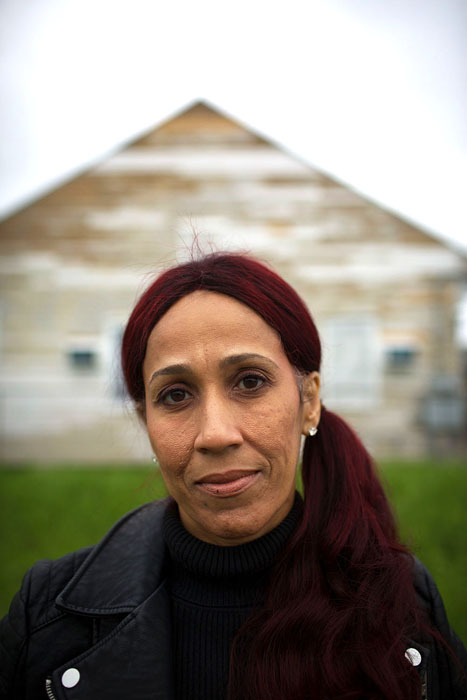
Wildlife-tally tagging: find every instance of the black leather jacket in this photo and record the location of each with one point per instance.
(95, 624)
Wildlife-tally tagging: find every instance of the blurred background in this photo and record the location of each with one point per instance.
(328, 138)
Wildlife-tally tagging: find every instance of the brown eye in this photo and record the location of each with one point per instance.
(250, 382)
(174, 396)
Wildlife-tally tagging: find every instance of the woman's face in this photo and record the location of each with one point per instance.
(224, 417)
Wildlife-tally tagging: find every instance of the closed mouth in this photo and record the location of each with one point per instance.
(228, 483)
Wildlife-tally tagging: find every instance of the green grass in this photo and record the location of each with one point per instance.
(430, 503)
(45, 513)
(48, 512)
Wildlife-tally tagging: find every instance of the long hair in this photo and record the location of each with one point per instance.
(341, 607)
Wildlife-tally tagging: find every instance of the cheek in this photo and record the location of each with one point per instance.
(276, 431)
(171, 449)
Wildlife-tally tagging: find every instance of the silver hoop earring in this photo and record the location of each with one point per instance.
(312, 431)
(154, 459)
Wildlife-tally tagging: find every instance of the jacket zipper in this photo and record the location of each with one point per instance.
(424, 687)
(48, 689)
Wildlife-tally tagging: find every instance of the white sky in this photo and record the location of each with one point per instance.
(370, 91)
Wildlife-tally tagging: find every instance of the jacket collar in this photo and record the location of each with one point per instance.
(123, 569)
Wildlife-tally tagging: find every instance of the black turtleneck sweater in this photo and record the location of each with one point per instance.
(213, 589)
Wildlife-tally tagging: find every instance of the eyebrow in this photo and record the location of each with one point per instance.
(170, 369)
(243, 357)
(226, 362)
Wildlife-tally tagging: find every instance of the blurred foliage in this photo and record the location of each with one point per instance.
(50, 511)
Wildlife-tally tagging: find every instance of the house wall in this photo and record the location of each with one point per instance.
(383, 292)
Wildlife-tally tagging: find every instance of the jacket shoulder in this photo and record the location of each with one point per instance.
(448, 653)
(31, 608)
(430, 600)
(47, 579)
(43, 582)
(425, 586)
(35, 605)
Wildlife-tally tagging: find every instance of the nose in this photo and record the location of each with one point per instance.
(217, 428)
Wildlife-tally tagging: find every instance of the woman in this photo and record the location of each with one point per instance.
(234, 587)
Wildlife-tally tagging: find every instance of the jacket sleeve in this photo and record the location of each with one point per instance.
(31, 607)
(13, 642)
(448, 664)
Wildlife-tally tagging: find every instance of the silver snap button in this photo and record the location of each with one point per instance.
(70, 678)
(414, 656)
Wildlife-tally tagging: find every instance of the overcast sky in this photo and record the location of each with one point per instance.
(370, 91)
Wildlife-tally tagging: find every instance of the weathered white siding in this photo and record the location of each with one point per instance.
(71, 266)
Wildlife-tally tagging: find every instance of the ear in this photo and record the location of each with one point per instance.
(311, 401)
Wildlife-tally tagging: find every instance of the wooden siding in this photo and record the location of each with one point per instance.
(73, 263)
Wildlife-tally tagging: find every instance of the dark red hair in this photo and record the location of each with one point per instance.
(341, 606)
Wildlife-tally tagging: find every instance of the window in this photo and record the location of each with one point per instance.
(443, 407)
(399, 359)
(82, 359)
(352, 361)
(112, 344)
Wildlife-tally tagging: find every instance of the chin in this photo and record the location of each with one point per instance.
(236, 528)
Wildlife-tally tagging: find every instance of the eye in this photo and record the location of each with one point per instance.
(174, 396)
(251, 382)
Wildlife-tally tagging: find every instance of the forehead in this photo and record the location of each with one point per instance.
(207, 320)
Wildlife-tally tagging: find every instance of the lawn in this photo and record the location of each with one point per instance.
(48, 512)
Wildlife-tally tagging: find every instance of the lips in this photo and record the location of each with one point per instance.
(228, 483)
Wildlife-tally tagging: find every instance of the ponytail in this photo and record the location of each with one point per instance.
(341, 605)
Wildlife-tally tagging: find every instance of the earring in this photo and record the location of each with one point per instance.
(154, 459)
(312, 431)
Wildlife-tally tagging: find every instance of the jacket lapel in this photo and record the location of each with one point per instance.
(134, 661)
(123, 569)
(124, 574)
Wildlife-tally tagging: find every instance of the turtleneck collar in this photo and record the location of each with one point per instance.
(210, 574)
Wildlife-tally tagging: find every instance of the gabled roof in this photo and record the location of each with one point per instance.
(201, 144)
